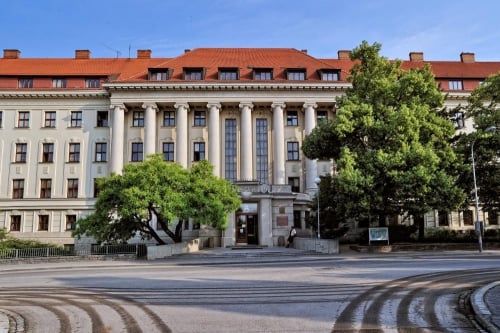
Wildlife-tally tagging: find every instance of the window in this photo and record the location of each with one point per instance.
(23, 120)
(492, 217)
(293, 150)
(169, 118)
(21, 150)
(455, 85)
(102, 118)
(92, 83)
(261, 151)
(25, 83)
(100, 152)
(74, 152)
(1, 118)
(73, 188)
(199, 118)
(296, 219)
(443, 218)
(76, 119)
(70, 222)
(43, 223)
(321, 115)
(467, 217)
(168, 151)
(294, 182)
(459, 120)
(137, 151)
(159, 76)
(48, 153)
(230, 143)
(45, 188)
(15, 223)
(292, 118)
(199, 151)
(296, 75)
(262, 74)
(328, 75)
(17, 188)
(193, 74)
(50, 119)
(138, 119)
(59, 83)
(228, 74)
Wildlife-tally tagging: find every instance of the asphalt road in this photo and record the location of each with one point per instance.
(248, 292)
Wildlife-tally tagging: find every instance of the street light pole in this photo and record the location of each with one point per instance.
(317, 180)
(479, 223)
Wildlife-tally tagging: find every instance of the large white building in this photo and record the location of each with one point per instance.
(66, 122)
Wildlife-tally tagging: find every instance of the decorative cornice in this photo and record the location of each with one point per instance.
(204, 86)
(67, 94)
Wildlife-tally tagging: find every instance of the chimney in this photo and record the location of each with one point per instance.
(344, 54)
(11, 54)
(467, 57)
(304, 51)
(82, 54)
(187, 50)
(143, 54)
(416, 56)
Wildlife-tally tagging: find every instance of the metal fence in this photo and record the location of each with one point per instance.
(137, 250)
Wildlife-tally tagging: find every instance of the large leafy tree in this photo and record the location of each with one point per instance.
(484, 108)
(127, 203)
(390, 142)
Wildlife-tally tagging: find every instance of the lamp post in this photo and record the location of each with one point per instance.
(317, 180)
(478, 226)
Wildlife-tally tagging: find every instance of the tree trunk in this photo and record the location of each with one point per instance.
(420, 222)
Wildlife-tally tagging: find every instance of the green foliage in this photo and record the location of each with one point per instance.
(127, 203)
(391, 142)
(8, 242)
(438, 235)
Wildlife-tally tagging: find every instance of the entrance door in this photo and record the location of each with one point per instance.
(247, 229)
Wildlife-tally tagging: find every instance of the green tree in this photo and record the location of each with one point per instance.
(127, 203)
(484, 108)
(390, 141)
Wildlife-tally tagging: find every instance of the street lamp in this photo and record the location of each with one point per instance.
(478, 226)
(317, 180)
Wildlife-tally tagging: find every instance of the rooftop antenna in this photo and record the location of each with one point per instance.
(129, 46)
(118, 53)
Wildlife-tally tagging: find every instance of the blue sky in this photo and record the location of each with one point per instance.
(442, 29)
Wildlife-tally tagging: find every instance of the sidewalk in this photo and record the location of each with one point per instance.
(486, 305)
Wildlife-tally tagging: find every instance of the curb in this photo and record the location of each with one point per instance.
(481, 310)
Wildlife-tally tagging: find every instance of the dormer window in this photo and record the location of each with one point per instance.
(296, 74)
(59, 83)
(92, 83)
(157, 74)
(262, 74)
(455, 85)
(228, 74)
(329, 74)
(26, 83)
(193, 74)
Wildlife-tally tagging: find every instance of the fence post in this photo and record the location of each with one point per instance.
(17, 253)
(48, 252)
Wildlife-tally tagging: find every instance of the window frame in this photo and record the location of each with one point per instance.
(292, 118)
(74, 152)
(71, 221)
(72, 190)
(456, 85)
(92, 83)
(18, 188)
(262, 74)
(49, 119)
(199, 151)
(330, 75)
(193, 74)
(293, 151)
(76, 119)
(228, 74)
(45, 188)
(59, 83)
(168, 154)
(101, 155)
(137, 155)
(25, 83)
(21, 152)
(48, 156)
(102, 121)
(200, 118)
(15, 223)
(169, 118)
(23, 119)
(294, 183)
(138, 118)
(296, 74)
(43, 222)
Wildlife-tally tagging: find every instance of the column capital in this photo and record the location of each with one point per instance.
(150, 105)
(310, 105)
(281, 105)
(247, 104)
(214, 104)
(182, 104)
(118, 105)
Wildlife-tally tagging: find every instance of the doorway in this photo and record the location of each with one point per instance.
(247, 229)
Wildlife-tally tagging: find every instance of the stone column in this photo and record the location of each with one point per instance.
(246, 150)
(279, 144)
(182, 134)
(149, 129)
(214, 136)
(117, 137)
(311, 165)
